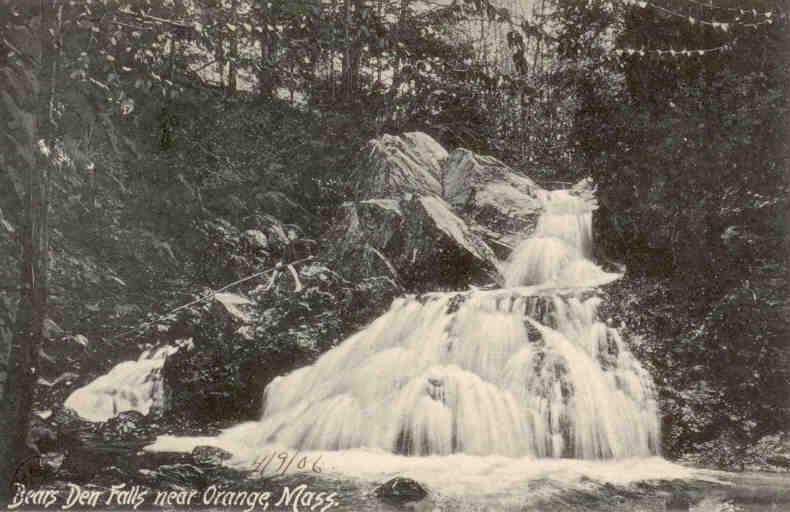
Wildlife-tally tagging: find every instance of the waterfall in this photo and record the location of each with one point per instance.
(129, 386)
(528, 370)
(560, 249)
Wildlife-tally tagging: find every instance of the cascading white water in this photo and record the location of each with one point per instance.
(521, 371)
(560, 249)
(129, 386)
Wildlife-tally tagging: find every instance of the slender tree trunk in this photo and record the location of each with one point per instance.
(345, 71)
(352, 55)
(333, 43)
(17, 400)
(263, 75)
(267, 41)
(234, 48)
(356, 51)
(219, 57)
(483, 47)
(397, 75)
(172, 57)
(379, 59)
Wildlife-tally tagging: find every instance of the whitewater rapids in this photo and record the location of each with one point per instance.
(525, 371)
(473, 392)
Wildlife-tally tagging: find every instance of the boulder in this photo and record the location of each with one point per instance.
(229, 253)
(210, 455)
(5, 226)
(124, 425)
(42, 435)
(279, 236)
(256, 239)
(65, 352)
(174, 477)
(392, 165)
(418, 241)
(503, 204)
(232, 309)
(401, 490)
(52, 330)
(585, 189)
(279, 205)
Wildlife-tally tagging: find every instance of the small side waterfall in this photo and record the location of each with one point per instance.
(528, 370)
(129, 386)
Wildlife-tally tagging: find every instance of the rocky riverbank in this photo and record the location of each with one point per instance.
(416, 234)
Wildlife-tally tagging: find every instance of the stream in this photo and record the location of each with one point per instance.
(518, 398)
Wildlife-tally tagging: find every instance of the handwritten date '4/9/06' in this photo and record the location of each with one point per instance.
(278, 463)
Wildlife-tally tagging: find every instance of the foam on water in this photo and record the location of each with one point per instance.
(470, 477)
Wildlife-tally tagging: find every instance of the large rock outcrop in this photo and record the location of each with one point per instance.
(418, 240)
(504, 205)
(392, 165)
(497, 203)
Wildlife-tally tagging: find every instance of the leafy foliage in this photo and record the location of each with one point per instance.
(691, 171)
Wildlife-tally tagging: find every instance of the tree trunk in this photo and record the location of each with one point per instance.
(346, 67)
(397, 76)
(352, 52)
(234, 48)
(219, 58)
(17, 400)
(267, 41)
(332, 80)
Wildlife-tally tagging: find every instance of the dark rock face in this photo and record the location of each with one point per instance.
(60, 364)
(223, 376)
(504, 204)
(210, 455)
(128, 426)
(418, 241)
(400, 491)
(43, 435)
(393, 165)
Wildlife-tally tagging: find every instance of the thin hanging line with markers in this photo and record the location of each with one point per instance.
(767, 17)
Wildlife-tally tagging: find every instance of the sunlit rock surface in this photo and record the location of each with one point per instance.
(584, 189)
(505, 204)
(234, 309)
(392, 165)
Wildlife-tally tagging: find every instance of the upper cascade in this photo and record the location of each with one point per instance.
(559, 249)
